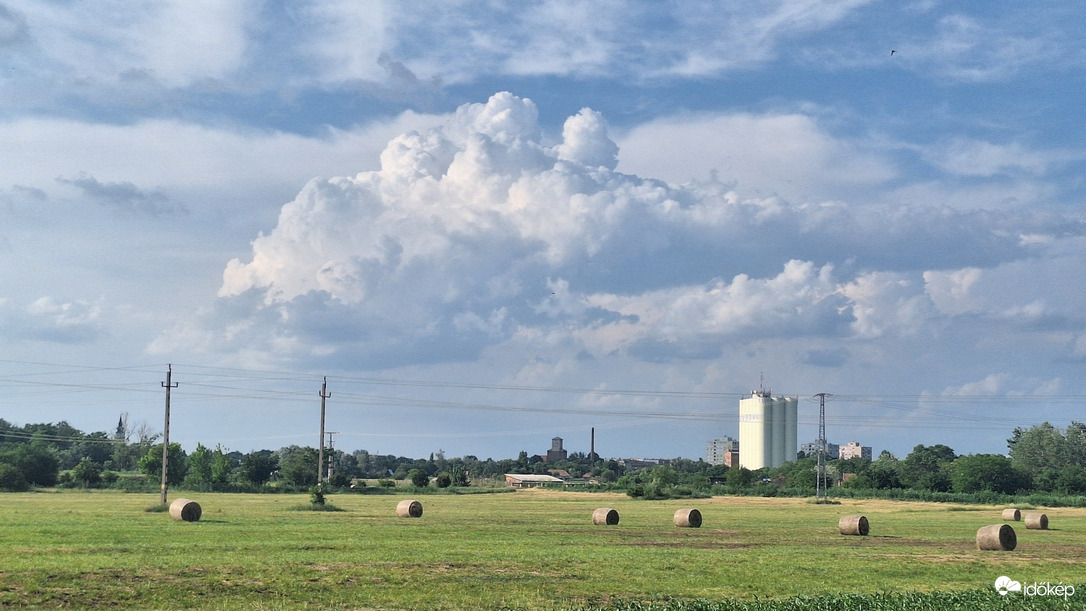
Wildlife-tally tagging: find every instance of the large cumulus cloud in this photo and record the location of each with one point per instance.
(485, 230)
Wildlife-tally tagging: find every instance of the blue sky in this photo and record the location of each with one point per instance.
(489, 224)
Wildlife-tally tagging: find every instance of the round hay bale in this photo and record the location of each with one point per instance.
(1036, 521)
(605, 516)
(185, 510)
(997, 537)
(853, 525)
(688, 518)
(409, 509)
(1012, 515)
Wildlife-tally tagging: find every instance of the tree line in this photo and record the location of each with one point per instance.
(1042, 458)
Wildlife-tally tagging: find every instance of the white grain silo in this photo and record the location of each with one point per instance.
(754, 432)
(767, 430)
(776, 431)
(791, 418)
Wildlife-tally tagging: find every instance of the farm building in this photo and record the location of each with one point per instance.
(530, 480)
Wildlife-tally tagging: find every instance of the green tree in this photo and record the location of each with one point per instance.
(199, 472)
(258, 467)
(460, 478)
(298, 465)
(418, 478)
(221, 467)
(11, 478)
(88, 473)
(885, 472)
(444, 480)
(607, 476)
(151, 464)
(740, 477)
(1038, 448)
(38, 463)
(926, 468)
(980, 472)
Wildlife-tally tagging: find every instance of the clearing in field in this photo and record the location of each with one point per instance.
(524, 550)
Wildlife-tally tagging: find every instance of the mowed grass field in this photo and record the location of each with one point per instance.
(524, 550)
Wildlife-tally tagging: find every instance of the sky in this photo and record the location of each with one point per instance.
(489, 224)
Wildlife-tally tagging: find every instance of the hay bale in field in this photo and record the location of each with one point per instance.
(605, 516)
(409, 509)
(688, 518)
(997, 537)
(1012, 515)
(185, 510)
(1036, 521)
(853, 525)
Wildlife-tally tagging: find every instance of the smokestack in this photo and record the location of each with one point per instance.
(592, 451)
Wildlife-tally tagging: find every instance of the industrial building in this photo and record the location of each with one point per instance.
(767, 430)
(557, 452)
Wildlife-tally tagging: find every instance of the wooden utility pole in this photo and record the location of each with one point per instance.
(320, 455)
(166, 431)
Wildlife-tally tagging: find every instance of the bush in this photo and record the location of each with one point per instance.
(316, 496)
(87, 473)
(12, 480)
(419, 479)
(444, 480)
(339, 480)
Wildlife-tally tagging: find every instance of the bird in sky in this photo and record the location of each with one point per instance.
(892, 52)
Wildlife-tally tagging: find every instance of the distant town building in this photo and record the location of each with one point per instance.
(767, 430)
(853, 449)
(811, 449)
(723, 451)
(556, 452)
(633, 464)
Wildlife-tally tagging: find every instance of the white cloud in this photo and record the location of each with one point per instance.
(801, 300)
(51, 320)
(173, 42)
(964, 48)
(885, 303)
(174, 156)
(966, 157)
(473, 232)
(788, 155)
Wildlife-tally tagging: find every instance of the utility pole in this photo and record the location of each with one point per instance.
(820, 484)
(320, 455)
(166, 430)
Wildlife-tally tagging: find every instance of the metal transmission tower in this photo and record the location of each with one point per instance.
(331, 452)
(320, 455)
(166, 430)
(820, 483)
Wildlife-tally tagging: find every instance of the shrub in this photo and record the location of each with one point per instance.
(419, 479)
(12, 480)
(444, 480)
(339, 480)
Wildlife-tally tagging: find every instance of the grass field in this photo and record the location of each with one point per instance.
(527, 550)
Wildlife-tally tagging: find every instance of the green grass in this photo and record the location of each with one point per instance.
(528, 550)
